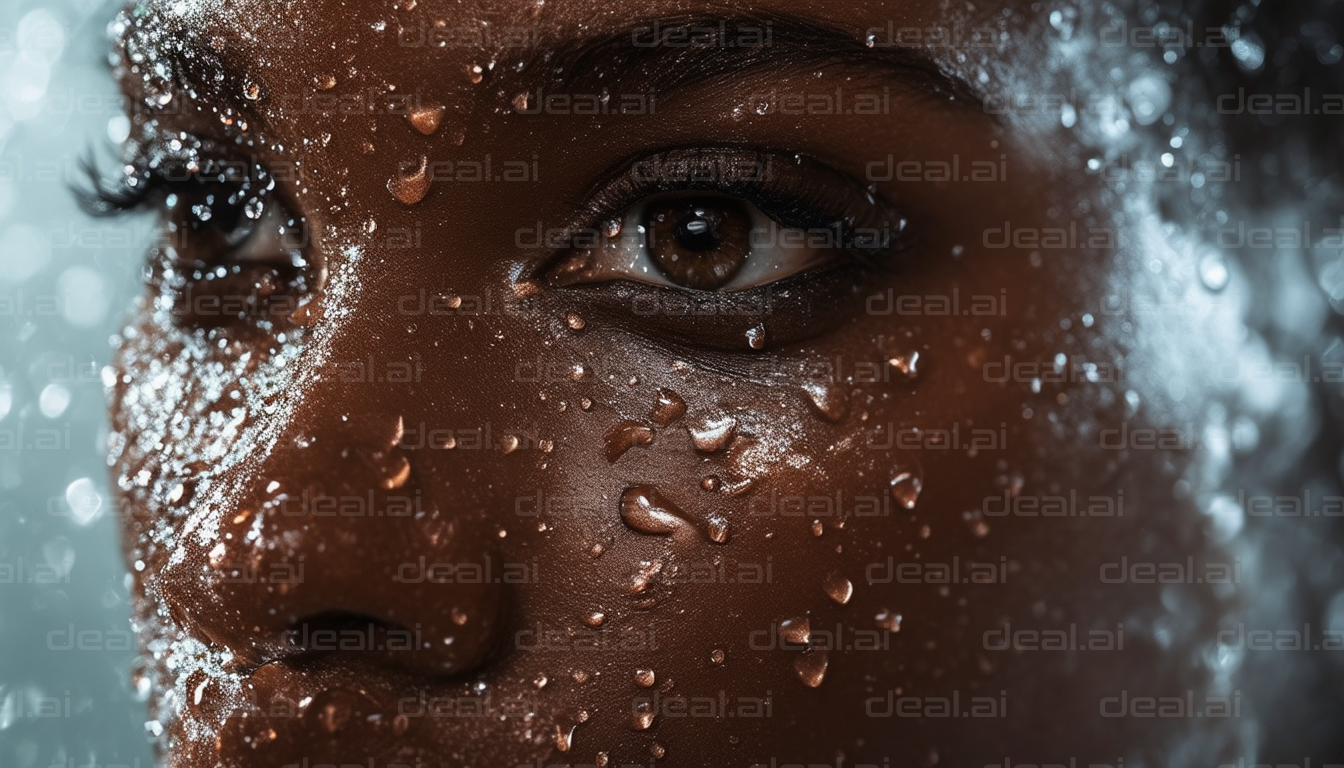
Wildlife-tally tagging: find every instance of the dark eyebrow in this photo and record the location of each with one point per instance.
(663, 54)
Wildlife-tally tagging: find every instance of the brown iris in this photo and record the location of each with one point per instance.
(698, 242)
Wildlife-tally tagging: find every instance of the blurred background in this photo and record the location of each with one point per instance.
(65, 280)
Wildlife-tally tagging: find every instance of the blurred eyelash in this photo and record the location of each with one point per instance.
(181, 164)
(101, 199)
(795, 190)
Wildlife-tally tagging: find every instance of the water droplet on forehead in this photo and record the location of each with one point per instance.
(811, 667)
(838, 588)
(829, 399)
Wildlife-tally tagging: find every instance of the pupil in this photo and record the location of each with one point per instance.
(696, 231)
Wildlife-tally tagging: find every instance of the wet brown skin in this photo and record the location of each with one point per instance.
(509, 368)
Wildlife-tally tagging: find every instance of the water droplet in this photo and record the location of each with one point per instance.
(459, 616)
(796, 631)
(1213, 271)
(253, 208)
(398, 475)
(756, 336)
(716, 527)
(888, 620)
(645, 510)
(717, 656)
(586, 403)
(710, 483)
(574, 321)
(713, 434)
(645, 678)
(643, 716)
(811, 667)
(520, 101)
(644, 576)
(818, 528)
(580, 676)
(475, 73)
(251, 91)
(564, 737)
(426, 119)
(595, 619)
(540, 681)
(925, 532)
(979, 529)
(904, 367)
(509, 444)
(601, 760)
(828, 398)
(668, 407)
(657, 750)
(624, 435)
(411, 189)
(838, 588)
(325, 82)
(906, 485)
(611, 227)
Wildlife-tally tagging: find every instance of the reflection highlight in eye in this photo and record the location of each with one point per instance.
(725, 219)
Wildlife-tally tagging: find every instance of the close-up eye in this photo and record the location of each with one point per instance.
(233, 251)
(726, 220)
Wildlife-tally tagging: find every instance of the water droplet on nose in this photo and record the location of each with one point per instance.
(828, 398)
(811, 667)
(646, 510)
(624, 435)
(643, 716)
(796, 631)
(756, 336)
(906, 485)
(645, 678)
(400, 473)
(325, 82)
(574, 321)
(426, 119)
(888, 620)
(412, 188)
(595, 619)
(838, 588)
(668, 407)
(904, 367)
(717, 656)
(713, 434)
(716, 527)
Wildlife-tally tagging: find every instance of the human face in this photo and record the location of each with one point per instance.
(425, 460)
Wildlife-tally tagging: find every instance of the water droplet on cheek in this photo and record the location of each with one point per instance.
(828, 399)
(643, 717)
(717, 529)
(411, 189)
(623, 436)
(906, 485)
(811, 667)
(713, 434)
(796, 631)
(645, 678)
(645, 510)
(838, 588)
(668, 407)
(426, 119)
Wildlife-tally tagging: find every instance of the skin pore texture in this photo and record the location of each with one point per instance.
(768, 526)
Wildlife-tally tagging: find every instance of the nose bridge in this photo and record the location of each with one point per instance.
(343, 540)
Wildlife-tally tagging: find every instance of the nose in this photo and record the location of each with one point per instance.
(335, 542)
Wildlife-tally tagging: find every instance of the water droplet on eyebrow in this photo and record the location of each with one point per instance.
(756, 336)
(811, 667)
(906, 485)
(668, 407)
(838, 588)
(796, 631)
(411, 189)
(713, 434)
(426, 119)
(828, 398)
(645, 678)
